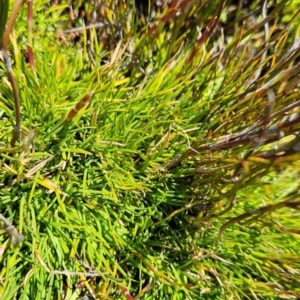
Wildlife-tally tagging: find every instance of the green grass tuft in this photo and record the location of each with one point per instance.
(153, 161)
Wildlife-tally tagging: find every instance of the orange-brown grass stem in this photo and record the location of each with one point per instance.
(84, 101)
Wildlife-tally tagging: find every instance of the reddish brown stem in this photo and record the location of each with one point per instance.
(29, 28)
(10, 24)
(126, 293)
(16, 132)
(79, 106)
(208, 30)
(259, 212)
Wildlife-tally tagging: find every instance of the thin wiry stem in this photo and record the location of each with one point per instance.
(29, 29)
(259, 212)
(16, 132)
(82, 28)
(11, 23)
(9, 28)
(16, 237)
(267, 30)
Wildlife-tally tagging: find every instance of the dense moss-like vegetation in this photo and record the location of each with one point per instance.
(158, 151)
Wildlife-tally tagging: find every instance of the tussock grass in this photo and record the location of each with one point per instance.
(151, 163)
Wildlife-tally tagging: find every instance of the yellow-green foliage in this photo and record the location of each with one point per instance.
(144, 140)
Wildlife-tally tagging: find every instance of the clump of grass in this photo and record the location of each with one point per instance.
(137, 151)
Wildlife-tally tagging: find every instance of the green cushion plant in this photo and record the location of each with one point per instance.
(157, 156)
